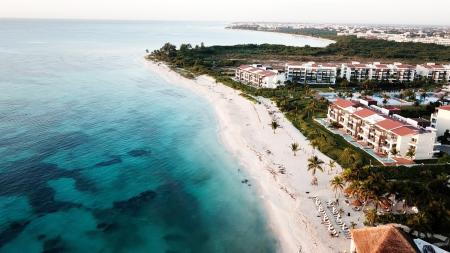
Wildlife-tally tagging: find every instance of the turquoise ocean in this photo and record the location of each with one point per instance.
(99, 154)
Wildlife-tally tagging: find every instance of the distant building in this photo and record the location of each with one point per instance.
(377, 130)
(259, 76)
(312, 73)
(440, 119)
(381, 239)
(435, 72)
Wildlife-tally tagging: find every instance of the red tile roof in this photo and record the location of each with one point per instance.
(434, 67)
(444, 107)
(405, 66)
(381, 66)
(364, 113)
(258, 71)
(404, 130)
(267, 73)
(358, 66)
(389, 124)
(342, 103)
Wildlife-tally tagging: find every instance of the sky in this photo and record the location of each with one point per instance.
(434, 12)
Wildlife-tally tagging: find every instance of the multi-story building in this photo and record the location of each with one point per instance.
(440, 119)
(312, 73)
(382, 133)
(434, 72)
(259, 76)
(392, 73)
(404, 72)
(357, 72)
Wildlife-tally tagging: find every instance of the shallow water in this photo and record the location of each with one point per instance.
(98, 154)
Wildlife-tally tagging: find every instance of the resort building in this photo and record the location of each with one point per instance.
(381, 239)
(404, 72)
(312, 73)
(259, 76)
(387, 135)
(357, 72)
(435, 72)
(392, 73)
(440, 120)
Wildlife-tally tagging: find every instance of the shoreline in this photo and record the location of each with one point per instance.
(245, 132)
(292, 34)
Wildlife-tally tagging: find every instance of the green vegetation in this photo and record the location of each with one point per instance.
(313, 32)
(422, 111)
(345, 48)
(425, 187)
(249, 97)
(367, 48)
(337, 184)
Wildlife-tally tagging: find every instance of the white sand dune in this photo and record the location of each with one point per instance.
(245, 130)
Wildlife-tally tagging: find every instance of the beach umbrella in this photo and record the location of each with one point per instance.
(356, 202)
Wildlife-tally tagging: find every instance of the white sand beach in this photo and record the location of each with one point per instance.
(245, 130)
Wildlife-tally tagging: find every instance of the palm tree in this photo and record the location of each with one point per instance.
(337, 183)
(295, 148)
(411, 153)
(394, 152)
(347, 156)
(331, 165)
(311, 108)
(274, 125)
(371, 217)
(315, 144)
(314, 164)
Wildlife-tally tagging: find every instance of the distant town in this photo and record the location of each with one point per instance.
(400, 33)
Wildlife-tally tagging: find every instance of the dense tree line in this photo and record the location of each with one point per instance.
(225, 56)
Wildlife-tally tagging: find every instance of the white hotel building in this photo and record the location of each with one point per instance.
(312, 73)
(440, 120)
(382, 133)
(435, 72)
(326, 73)
(392, 73)
(259, 76)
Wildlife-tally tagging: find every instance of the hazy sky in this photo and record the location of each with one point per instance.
(342, 11)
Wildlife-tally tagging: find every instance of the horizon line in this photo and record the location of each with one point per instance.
(221, 21)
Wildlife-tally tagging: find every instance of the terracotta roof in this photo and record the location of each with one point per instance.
(258, 71)
(444, 107)
(364, 113)
(267, 73)
(389, 124)
(404, 130)
(437, 66)
(405, 66)
(342, 103)
(381, 66)
(358, 66)
(382, 239)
